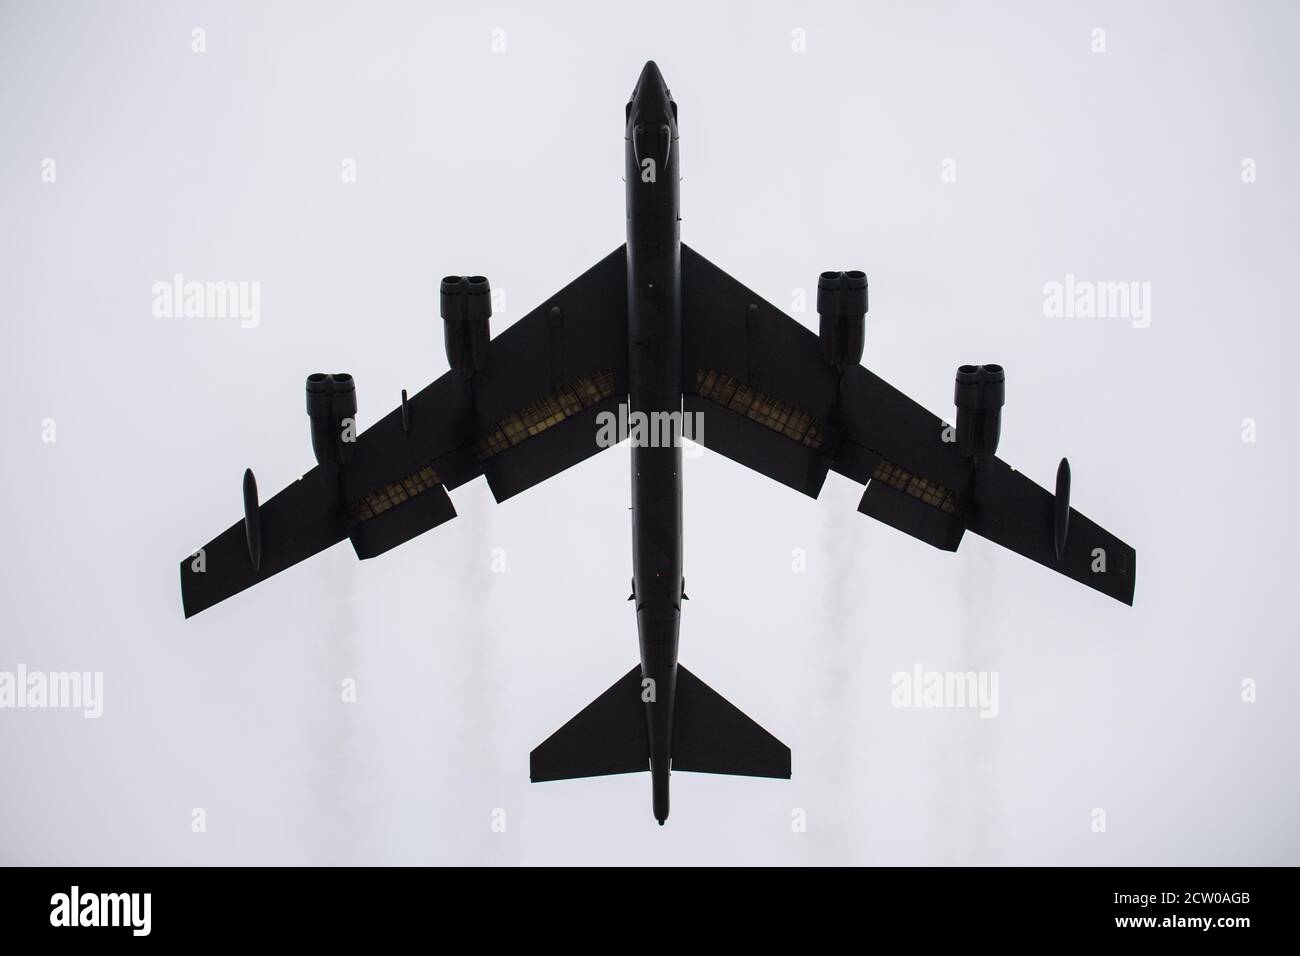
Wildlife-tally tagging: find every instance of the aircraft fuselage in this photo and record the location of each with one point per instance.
(654, 309)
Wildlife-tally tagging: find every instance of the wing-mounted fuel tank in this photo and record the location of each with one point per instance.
(466, 306)
(979, 396)
(842, 308)
(332, 407)
(252, 520)
(1061, 508)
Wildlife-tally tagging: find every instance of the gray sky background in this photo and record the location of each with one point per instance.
(225, 165)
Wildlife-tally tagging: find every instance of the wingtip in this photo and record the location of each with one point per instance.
(1132, 578)
(185, 597)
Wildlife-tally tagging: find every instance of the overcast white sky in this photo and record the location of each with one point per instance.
(1125, 164)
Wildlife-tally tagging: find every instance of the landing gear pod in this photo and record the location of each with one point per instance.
(842, 308)
(332, 408)
(979, 395)
(466, 306)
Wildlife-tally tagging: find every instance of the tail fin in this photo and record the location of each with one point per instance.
(711, 735)
(608, 736)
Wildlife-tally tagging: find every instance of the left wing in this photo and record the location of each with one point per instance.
(528, 415)
(770, 402)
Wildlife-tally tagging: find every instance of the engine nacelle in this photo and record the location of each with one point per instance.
(332, 407)
(979, 395)
(466, 306)
(842, 306)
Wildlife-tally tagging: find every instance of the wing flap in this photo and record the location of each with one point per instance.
(766, 451)
(546, 454)
(912, 516)
(400, 512)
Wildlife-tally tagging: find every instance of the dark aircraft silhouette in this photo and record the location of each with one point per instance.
(659, 328)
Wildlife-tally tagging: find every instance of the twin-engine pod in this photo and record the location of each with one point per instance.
(980, 394)
(332, 407)
(842, 306)
(466, 306)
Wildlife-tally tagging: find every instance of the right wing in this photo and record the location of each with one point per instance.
(769, 401)
(527, 416)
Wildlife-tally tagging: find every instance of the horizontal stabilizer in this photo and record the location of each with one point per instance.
(710, 735)
(608, 736)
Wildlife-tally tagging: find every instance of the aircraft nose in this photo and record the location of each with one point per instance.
(650, 86)
(651, 78)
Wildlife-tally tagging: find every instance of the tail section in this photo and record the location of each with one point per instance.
(711, 735)
(608, 736)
